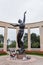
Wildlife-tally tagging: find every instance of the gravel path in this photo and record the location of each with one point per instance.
(35, 60)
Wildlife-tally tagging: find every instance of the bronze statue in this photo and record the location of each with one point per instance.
(20, 33)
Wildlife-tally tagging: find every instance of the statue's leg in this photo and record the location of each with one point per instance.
(22, 48)
(19, 36)
(19, 39)
(20, 42)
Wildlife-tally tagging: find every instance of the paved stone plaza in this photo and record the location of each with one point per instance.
(35, 60)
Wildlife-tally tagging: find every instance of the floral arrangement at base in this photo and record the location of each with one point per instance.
(2, 52)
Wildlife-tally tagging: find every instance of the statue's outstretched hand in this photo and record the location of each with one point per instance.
(25, 12)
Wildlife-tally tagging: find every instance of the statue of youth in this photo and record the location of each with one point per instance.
(20, 32)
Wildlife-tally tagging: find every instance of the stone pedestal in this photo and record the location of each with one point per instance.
(20, 56)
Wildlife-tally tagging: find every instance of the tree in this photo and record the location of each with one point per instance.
(1, 40)
(35, 41)
(25, 38)
(12, 44)
(33, 37)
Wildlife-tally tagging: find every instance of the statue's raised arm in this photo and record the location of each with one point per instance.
(24, 17)
(15, 25)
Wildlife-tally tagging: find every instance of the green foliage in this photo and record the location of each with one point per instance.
(1, 38)
(1, 45)
(12, 45)
(25, 40)
(35, 45)
(35, 41)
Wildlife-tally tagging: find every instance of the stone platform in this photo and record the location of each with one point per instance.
(35, 60)
(20, 56)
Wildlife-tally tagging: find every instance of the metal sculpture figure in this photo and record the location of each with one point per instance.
(20, 33)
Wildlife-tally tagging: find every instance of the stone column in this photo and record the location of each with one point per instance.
(29, 43)
(5, 39)
(41, 38)
(16, 38)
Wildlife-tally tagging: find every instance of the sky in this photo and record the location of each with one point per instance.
(12, 10)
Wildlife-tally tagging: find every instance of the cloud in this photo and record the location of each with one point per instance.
(12, 10)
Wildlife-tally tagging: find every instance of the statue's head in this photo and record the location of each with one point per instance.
(19, 21)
